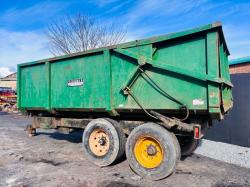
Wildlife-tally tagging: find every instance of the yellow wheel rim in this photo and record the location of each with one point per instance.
(99, 142)
(148, 152)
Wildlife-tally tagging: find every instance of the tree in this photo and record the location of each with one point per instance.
(80, 33)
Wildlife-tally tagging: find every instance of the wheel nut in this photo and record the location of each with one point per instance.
(102, 141)
(151, 150)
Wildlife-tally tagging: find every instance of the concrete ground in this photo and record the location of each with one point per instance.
(53, 159)
(229, 153)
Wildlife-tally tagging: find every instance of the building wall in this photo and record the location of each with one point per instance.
(240, 68)
(11, 84)
(235, 128)
(9, 81)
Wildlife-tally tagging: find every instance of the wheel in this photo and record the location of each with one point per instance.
(6, 107)
(103, 141)
(152, 151)
(188, 145)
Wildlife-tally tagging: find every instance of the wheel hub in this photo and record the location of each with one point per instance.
(148, 152)
(151, 150)
(99, 142)
(102, 141)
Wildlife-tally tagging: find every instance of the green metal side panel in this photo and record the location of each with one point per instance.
(187, 54)
(94, 92)
(213, 70)
(190, 55)
(34, 87)
(122, 68)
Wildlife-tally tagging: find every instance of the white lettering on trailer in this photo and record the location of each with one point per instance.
(75, 82)
(198, 102)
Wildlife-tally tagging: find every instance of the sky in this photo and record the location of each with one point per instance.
(23, 23)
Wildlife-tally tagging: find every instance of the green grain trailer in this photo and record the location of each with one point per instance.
(148, 98)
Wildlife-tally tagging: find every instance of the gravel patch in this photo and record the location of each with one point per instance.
(229, 153)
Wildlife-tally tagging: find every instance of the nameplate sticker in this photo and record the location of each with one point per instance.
(75, 82)
(198, 102)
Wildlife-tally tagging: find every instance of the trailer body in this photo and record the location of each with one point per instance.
(190, 66)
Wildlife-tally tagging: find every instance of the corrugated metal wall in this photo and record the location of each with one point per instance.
(235, 129)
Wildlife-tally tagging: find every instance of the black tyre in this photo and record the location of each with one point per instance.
(6, 107)
(152, 151)
(188, 145)
(103, 141)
